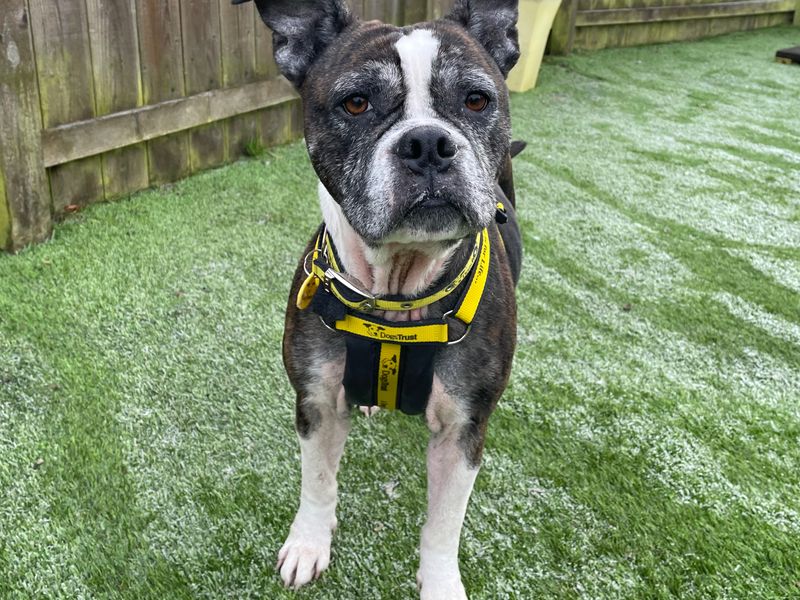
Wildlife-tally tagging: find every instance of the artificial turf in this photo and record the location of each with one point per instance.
(647, 447)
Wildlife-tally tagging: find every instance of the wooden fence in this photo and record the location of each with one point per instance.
(100, 98)
(594, 24)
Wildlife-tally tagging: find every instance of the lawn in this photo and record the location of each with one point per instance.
(647, 447)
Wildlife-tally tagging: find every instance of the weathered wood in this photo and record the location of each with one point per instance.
(594, 38)
(66, 88)
(796, 20)
(96, 136)
(203, 71)
(25, 216)
(439, 8)
(394, 12)
(624, 16)
(562, 36)
(237, 31)
(265, 63)
(117, 86)
(374, 9)
(5, 217)
(415, 12)
(76, 183)
(162, 79)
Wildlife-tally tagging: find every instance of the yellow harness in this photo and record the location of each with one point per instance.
(381, 368)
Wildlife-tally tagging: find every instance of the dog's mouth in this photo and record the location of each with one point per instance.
(429, 200)
(435, 213)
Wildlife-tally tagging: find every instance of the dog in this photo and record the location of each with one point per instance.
(405, 295)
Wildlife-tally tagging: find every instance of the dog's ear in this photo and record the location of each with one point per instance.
(494, 24)
(301, 30)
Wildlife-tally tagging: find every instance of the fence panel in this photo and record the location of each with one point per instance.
(24, 199)
(595, 24)
(161, 50)
(123, 94)
(113, 36)
(66, 87)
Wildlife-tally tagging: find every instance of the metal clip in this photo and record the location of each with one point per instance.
(369, 299)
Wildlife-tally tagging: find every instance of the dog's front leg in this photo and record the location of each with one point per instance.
(450, 479)
(307, 551)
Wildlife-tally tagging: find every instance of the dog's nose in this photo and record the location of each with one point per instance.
(427, 150)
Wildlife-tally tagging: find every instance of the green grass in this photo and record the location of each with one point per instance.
(647, 447)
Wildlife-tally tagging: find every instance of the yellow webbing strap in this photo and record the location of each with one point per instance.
(469, 305)
(399, 305)
(416, 334)
(388, 376)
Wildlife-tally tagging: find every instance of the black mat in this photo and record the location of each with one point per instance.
(789, 55)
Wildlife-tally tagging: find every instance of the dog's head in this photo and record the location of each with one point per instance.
(406, 127)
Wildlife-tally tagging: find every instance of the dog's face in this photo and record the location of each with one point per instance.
(406, 128)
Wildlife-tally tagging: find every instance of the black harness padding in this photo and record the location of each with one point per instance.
(415, 377)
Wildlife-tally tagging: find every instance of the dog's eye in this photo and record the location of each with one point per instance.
(356, 105)
(476, 101)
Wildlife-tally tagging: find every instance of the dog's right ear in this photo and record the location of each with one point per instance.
(301, 30)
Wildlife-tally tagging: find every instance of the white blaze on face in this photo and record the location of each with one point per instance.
(418, 50)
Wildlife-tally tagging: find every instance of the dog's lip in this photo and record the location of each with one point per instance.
(429, 201)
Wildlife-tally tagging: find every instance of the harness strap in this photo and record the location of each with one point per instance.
(390, 364)
(354, 297)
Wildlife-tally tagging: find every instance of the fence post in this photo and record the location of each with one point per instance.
(797, 13)
(438, 8)
(562, 36)
(25, 214)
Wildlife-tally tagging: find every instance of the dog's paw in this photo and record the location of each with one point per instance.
(440, 586)
(304, 556)
(369, 410)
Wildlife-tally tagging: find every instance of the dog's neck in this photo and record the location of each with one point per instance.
(392, 269)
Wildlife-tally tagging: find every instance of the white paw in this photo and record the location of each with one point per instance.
(440, 586)
(369, 410)
(305, 555)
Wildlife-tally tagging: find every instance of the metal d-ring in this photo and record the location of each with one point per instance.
(445, 316)
(321, 320)
(306, 268)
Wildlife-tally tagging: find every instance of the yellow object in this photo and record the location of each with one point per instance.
(535, 21)
(307, 291)
(388, 376)
(370, 303)
(434, 333)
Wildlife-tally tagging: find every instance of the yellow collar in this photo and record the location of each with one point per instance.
(429, 331)
(354, 297)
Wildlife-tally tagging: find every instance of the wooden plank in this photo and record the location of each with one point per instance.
(237, 31)
(562, 36)
(265, 63)
(117, 86)
(415, 11)
(25, 216)
(96, 136)
(595, 38)
(238, 41)
(356, 7)
(625, 16)
(202, 51)
(394, 12)
(278, 124)
(439, 8)
(5, 217)
(64, 67)
(373, 9)
(162, 79)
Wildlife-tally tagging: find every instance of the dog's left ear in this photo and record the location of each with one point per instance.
(301, 30)
(494, 24)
